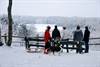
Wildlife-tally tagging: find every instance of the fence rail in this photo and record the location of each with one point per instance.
(21, 37)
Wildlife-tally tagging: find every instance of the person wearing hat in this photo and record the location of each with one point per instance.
(47, 38)
(78, 36)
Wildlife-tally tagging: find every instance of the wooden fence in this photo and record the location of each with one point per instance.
(91, 39)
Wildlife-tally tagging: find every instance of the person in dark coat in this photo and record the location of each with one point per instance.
(78, 36)
(86, 39)
(56, 38)
(56, 33)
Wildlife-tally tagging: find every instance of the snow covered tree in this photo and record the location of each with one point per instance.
(23, 30)
(4, 19)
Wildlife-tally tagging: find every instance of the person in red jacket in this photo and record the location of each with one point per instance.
(47, 38)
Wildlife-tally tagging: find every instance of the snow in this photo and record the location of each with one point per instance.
(18, 57)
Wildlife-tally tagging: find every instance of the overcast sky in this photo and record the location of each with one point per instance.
(81, 8)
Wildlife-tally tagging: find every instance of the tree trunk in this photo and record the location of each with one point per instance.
(10, 21)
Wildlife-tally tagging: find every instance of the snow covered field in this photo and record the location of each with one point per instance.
(17, 56)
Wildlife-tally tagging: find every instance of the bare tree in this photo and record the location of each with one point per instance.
(10, 21)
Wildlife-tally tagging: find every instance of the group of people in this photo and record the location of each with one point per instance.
(78, 36)
(47, 37)
(56, 37)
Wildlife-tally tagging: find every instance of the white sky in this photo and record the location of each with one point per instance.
(82, 8)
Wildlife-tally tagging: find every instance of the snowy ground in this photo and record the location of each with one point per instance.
(16, 56)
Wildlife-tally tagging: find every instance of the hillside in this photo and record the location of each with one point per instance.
(69, 22)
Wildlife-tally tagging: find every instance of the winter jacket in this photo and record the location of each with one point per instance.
(47, 36)
(78, 35)
(86, 36)
(65, 34)
(56, 34)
